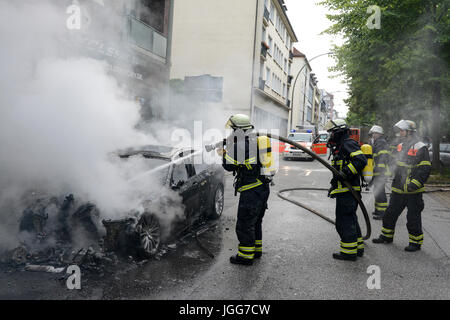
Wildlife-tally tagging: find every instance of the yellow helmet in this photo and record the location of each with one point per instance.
(239, 121)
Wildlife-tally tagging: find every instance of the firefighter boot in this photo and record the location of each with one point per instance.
(343, 256)
(412, 247)
(360, 251)
(382, 239)
(258, 249)
(239, 260)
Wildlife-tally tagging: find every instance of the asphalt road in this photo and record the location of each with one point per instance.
(296, 263)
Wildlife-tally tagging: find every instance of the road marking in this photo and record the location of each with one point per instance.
(308, 172)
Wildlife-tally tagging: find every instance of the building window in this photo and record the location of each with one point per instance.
(272, 12)
(264, 34)
(268, 78)
(270, 45)
(285, 65)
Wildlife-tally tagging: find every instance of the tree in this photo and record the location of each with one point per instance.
(399, 70)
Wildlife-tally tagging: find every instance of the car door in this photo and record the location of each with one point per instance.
(185, 186)
(204, 176)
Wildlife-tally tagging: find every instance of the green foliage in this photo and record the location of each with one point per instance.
(393, 71)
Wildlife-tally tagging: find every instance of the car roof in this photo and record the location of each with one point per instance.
(155, 151)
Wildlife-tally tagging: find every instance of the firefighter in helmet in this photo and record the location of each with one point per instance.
(412, 170)
(249, 157)
(381, 158)
(349, 160)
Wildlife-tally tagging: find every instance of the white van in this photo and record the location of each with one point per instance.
(305, 139)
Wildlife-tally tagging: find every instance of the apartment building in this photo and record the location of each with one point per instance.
(133, 37)
(245, 46)
(301, 92)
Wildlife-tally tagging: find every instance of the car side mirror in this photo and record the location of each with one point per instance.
(178, 185)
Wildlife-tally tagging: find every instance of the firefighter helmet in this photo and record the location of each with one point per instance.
(406, 125)
(376, 129)
(239, 121)
(334, 125)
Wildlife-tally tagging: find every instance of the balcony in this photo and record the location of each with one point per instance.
(266, 17)
(147, 38)
(263, 52)
(262, 84)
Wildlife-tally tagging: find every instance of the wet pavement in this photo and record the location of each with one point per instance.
(296, 263)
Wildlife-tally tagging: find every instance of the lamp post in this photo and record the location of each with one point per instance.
(304, 91)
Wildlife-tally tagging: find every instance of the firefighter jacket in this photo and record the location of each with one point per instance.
(413, 167)
(250, 159)
(348, 158)
(381, 157)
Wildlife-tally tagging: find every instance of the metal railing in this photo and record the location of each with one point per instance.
(145, 37)
(262, 84)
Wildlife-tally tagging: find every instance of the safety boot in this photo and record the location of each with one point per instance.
(258, 255)
(360, 253)
(239, 260)
(382, 239)
(412, 247)
(347, 257)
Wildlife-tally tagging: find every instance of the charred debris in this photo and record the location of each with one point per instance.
(58, 232)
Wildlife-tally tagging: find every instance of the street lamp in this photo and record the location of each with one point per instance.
(304, 91)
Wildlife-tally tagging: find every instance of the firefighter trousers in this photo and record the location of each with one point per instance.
(415, 205)
(347, 224)
(379, 192)
(251, 209)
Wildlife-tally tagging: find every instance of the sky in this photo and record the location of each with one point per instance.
(308, 20)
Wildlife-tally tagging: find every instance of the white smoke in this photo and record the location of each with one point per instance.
(61, 120)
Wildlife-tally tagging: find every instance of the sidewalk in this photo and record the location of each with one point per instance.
(436, 219)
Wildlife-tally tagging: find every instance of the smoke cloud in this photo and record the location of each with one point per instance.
(61, 120)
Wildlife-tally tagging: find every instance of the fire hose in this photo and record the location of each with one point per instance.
(355, 194)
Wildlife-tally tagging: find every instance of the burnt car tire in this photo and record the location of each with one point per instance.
(149, 232)
(217, 203)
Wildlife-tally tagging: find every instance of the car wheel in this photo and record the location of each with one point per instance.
(217, 203)
(149, 230)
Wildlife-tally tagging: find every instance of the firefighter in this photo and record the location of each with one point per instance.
(250, 159)
(381, 157)
(349, 160)
(412, 170)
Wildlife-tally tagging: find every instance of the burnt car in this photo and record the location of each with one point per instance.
(199, 189)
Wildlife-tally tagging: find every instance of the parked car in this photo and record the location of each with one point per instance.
(305, 139)
(444, 154)
(201, 187)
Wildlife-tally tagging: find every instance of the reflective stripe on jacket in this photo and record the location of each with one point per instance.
(381, 157)
(245, 160)
(413, 167)
(350, 160)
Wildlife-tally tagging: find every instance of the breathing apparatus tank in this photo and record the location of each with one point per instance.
(368, 170)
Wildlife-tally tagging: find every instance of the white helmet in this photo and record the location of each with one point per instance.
(376, 129)
(337, 124)
(407, 125)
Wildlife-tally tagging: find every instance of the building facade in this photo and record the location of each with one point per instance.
(246, 44)
(133, 37)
